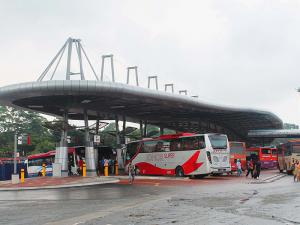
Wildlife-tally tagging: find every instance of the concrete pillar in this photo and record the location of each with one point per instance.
(61, 154)
(117, 132)
(161, 130)
(124, 131)
(141, 128)
(90, 152)
(145, 129)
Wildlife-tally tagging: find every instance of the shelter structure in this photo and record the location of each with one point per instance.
(101, 100)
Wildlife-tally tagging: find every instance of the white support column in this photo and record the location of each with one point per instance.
(61, 154)
(90, 153)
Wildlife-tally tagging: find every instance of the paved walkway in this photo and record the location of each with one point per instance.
(56, 182)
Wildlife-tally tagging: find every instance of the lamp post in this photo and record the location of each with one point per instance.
(15, 152)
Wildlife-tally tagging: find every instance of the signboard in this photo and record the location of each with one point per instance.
(97, 139)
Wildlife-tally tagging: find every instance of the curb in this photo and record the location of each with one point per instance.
(111, 181)
(152, 178)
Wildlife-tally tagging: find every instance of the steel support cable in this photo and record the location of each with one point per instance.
(51, 63)
(88, 61)
(58, 62)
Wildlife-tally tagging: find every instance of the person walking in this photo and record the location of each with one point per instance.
(239, 167)
(294, 170)
(250, 167)
(131, 172)
(257, 168)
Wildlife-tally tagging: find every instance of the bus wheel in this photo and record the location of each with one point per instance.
(289, 172)
(179, 171)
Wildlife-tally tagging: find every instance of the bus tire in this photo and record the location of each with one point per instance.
(179, 171)
(289, 172)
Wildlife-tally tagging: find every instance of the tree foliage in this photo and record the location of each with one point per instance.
(23, 123)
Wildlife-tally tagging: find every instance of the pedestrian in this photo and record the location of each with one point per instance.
(131, 172)
(298, 170)
(250, 167)
(70, 168)
(257, 168)
(80, 163)
(239, 167)
(294, 170)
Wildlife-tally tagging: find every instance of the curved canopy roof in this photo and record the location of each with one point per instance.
(105, 100)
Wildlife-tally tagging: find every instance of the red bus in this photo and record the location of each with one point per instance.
(237, 151)
(267, 156)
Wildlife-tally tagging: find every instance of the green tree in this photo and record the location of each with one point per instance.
(23, 122)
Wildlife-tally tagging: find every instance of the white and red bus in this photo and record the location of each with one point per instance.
(184, 154)
(35, 162)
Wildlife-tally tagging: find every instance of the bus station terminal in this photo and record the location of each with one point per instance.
(101, 100)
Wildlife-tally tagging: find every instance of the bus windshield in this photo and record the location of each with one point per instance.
(266, 151)
(131, 149)
(296, 148)
(218, 141)
(236, 148)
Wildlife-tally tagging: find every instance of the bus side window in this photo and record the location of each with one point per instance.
(201, 142)
(149, 146)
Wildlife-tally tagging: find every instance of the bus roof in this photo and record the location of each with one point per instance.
(48, 154)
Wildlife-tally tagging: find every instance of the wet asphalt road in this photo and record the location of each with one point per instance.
(208, 201)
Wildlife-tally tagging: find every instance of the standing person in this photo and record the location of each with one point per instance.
(80, 163)
(298, 170)
(131, 172)
(250, 168)
(239, 167)
(294, 169)
(257, 168)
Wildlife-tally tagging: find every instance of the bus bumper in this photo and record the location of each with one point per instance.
(220, 170)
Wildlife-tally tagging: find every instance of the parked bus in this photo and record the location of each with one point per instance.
(288, 153)
(180, 154)
(6, 160)
(237, 151)
(266, 155)
(35, 162)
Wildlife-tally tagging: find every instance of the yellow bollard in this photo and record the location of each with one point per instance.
(22, 175)
(44, 170)
(84, 170)
(106, 168)
(117, 168)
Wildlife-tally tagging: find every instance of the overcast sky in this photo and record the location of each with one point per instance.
(236, 53)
